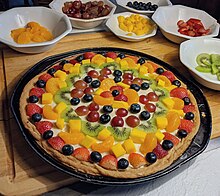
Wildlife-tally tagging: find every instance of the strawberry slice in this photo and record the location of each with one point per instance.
(109, 162)
(89, 55)
(56, 142)
(179, 92)
(121, 97)
(118, 88)
(45, 77)
(58, 67)
(159, 151)
(189, 108)
(106, 94)
(136, 160)
(186, 125)
(171, 137)
(33, 108)
(43, 126)
(36, 91)
(112, 55)
(73, 61)
(169, 75)
(81, 154)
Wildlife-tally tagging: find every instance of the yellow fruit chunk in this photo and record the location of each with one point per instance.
(165, 79)
(88, 141)
(60, 107)
(67, 66)
(109, 60)
(143, 70)
(123, 85)
(161, 83)
(62, 84)
(150, 142)
(149, 66)
(168, 102)
(118, 150)
(75, 69)
(178, 103)
(132, 96)
(173, 121)
(137, 135)
(47, 98)
(103, 134)
(123, 64)
(86, 61)
(129, 146)
(60, 74)
(48, 113)
(102, 100)
(170, 88)
(179, 112)
(98, 59)
(104, 146)
(131, 63)
(52, 85)
(120, 104)
(159, 135)
(98, 91)
(161, 122)
(69, 138)
(60, 123)
(117, 60)
(107, 83)
(75, 125)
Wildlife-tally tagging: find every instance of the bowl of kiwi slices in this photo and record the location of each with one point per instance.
(202, 58)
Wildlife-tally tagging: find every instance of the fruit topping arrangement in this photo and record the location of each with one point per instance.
(193, 27)
(142, 6)
(32, 32)
(112, 109)
(135, 24)
(88, 10)
(209, 63)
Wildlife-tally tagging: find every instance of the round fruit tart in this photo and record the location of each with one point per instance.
(110, 114)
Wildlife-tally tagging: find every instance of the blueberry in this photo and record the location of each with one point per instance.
(104, 118)
(159, 70)
(149, 3)
(51, 71)
(117, 73)
(135, 108)
(154, 7)
(95, 157)
(95, 83)
(186, 100)
(117, 79)
(79, 58)
(115, 93)
(36, 117)
(48, 134)
(189, 116)
(67, 149)
(182, 133)
(107, 108)
(144, 115)
(123, 163)
(167, 145)
(87, 98)
(75, 101)
(129, 4)
(136, 87)
(41, 83)
(63, 62)
(135, 3)
(122, 55)
(88, 79)
(145, 86)
(141, 61)
(176, 83)
(151, 157)
(33, 99)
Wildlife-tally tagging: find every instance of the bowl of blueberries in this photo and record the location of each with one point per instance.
(143, 6)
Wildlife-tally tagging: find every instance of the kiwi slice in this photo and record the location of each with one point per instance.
(62, 95)
(69, 114)
(91, 129)
(148, 126)
(204, 60)
(161, 109)
(203, 69)
(85, 67)
(215, 58)
(119, 133)
(218, 76)
(110, 65)
(215, 68)
(153, 84)
(161, 92)
(71, 78)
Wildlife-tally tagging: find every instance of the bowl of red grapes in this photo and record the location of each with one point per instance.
(85, 14)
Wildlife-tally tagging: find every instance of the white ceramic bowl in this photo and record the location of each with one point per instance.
(58, 24)
(123, 3)
(112, 24)
(83, 23)
(190, 49)
(167, 17)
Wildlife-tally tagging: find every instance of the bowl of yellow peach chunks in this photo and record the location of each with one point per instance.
(131, 27)
(33, 29)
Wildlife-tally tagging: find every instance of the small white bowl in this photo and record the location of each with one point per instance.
(167, 17)
(83, 23)
(58, 24)
(190, 49)
(112, 24)
(123, 3)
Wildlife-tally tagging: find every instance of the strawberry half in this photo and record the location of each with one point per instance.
(56, 142)
(171, 137)
(81, 154)
(43, 126)
(189, 108)
(109, 162)
(169, 75)
(136, 160)
(89, 55)
(121, 97)
(160, 152)
(33, 108)
(112, 55)
(186, 125)
(73, 61)
(37, 92)
(45, 77)
(179, 92)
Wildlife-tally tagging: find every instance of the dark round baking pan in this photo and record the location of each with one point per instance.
(196, 147)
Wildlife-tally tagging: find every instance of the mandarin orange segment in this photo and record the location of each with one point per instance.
(131, 63)
(150, 142)
(48, 113)
(149, 67)
(52, 85)
(178, 103)
(104, 146)
(173, 121)
(15, 33)
(102, 100)
(98, 59)
(154, 65)
(24, 38)
(165, 79)
(33, 24)
(69, 138)
(132, 96)
(107, 83)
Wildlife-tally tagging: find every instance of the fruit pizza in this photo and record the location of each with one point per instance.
(110, 114)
